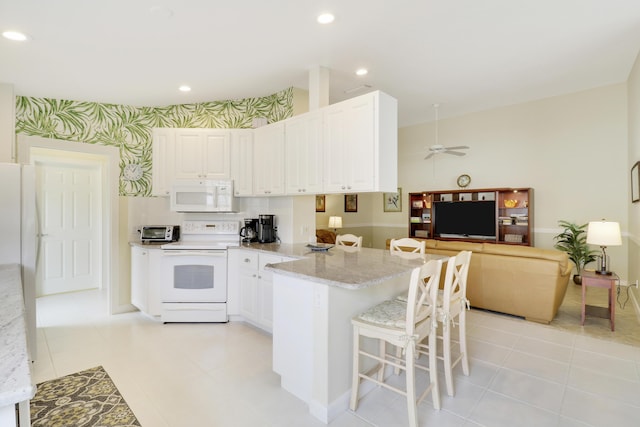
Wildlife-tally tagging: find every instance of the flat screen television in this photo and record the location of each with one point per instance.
(465, 219)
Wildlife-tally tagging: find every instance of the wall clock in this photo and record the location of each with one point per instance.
(132, 172)
(464, 180)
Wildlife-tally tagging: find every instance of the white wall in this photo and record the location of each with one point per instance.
(571, 149)
(633, 85)
(7, 123)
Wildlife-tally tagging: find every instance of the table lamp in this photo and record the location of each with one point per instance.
(604, 233)
(335, 222)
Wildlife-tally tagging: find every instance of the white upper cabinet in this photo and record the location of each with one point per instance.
(202, 154)
(304, 154)
(162, 166)
(348, 147)
(361, 144)
(268, 160)
(242, 162)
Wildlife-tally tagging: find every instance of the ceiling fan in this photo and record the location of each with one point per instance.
(439, 148)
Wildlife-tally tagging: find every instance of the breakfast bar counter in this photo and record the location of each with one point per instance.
(341, 266)
(314, 299)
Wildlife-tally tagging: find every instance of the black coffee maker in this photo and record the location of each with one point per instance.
(266, 228)
(249, 233)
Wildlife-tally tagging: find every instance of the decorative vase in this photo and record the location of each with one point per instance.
(577, 279)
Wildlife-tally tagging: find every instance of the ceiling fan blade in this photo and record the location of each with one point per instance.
(458, 147)
(455, 153)
(429, 156)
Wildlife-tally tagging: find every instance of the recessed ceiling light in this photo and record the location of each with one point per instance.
(15, 36)
(326, 18)
(184, 88)
(362, 72)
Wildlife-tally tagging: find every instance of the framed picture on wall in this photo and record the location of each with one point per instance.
(635, 182)
(351, 203)
(320, 203)
(392, 202)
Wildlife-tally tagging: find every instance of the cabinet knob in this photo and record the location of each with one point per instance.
(247, 260)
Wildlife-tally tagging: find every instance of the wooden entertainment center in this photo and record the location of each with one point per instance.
(492, 215)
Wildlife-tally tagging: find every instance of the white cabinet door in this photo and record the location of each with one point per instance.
(162, 166)
(189, 148)
(247, 263)
(349, 140)
(252, 286)
(268, 160)
(154, 295)
(242, 162)
(217, 154)
(303, 154)
(146, 279)
(361, 142)
(202, 154)
(265, 291)
(139, 277)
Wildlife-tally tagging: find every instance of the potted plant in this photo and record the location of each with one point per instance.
(573, 241)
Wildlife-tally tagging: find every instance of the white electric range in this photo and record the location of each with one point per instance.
(194, 285)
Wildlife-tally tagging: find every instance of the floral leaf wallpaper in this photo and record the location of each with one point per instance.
(129, 128)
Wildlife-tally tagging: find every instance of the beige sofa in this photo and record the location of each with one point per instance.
(518, 280)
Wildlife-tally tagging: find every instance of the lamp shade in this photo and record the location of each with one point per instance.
(604, 233)
(335, 222)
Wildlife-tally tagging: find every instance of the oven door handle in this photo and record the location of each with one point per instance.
(194, 253)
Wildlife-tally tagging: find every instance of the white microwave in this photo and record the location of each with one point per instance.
(202, 196)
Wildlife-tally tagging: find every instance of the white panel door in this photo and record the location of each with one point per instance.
(69, 208)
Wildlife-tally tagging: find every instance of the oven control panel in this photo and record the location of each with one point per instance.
(210, 227)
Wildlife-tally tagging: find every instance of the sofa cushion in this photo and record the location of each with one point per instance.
(457, 246)
(527, 252)
(325, 236)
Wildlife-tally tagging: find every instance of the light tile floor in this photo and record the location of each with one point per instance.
(184, 375)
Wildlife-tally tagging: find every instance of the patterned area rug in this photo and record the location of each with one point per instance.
(87, 398)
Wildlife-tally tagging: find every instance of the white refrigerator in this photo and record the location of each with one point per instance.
(18, 228)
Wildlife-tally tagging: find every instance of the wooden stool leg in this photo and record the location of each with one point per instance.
(411, 385)
(462, 326)
(446, 352)
(355, 381)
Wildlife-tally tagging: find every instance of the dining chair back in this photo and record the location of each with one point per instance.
(453, 305)
(407, 244)
(349, 240)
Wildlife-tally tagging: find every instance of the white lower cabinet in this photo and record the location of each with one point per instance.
(251, 287)
(145, 289)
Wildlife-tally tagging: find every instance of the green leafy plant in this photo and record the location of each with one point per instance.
(573, 241)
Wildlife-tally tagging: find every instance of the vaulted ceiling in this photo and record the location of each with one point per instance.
(466, 55)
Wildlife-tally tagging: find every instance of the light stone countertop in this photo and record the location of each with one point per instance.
(342, 266)
(15, 370)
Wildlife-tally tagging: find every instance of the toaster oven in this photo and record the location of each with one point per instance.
(159, 233)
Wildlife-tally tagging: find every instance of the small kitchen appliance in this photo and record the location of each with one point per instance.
(266, 229)
(249, 233)
(159, 233)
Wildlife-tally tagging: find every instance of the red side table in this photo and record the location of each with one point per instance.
(590, 278)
